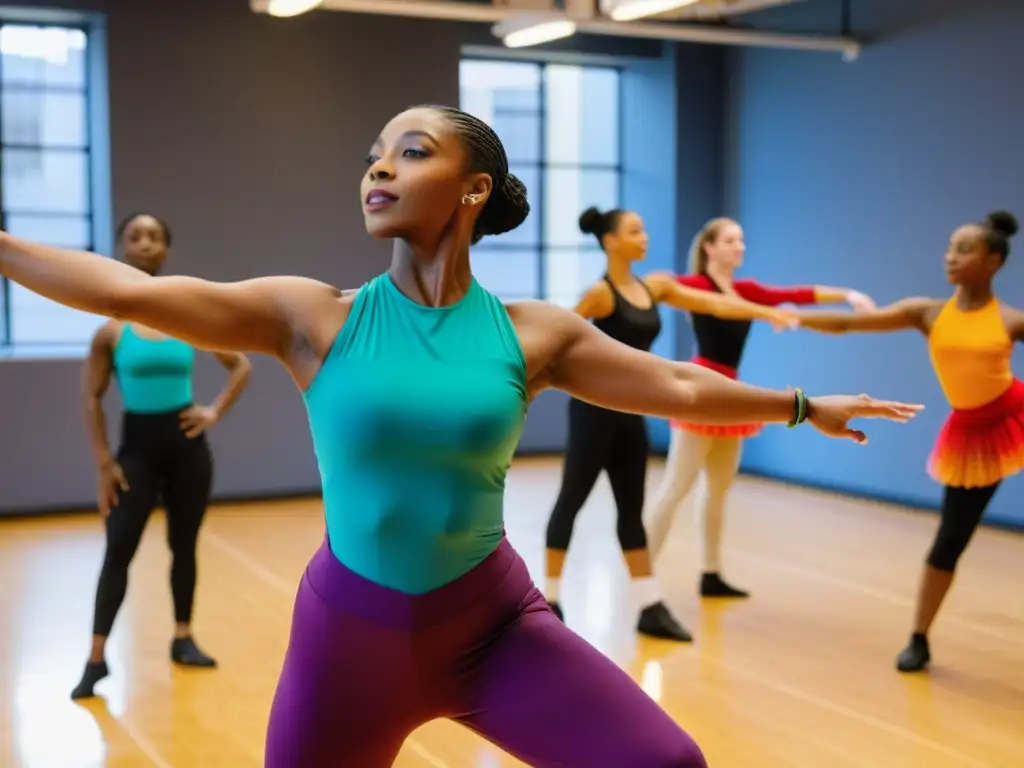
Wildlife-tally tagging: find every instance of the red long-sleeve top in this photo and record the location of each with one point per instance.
(720, 342)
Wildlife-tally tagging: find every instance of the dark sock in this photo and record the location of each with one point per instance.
(657, 621)
(94, 672)
(184, 651)
(556, 609)
(712, 585)
(916, 656)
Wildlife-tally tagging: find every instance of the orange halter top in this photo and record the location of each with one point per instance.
(970, 352)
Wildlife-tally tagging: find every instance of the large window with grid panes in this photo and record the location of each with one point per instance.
(560, 125)
(45, 168)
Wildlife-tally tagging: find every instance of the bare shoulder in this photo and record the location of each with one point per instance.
(923, 309)
(1013, 319)
(107, 336)
(544, 330)
(661, 284)
(533, 312)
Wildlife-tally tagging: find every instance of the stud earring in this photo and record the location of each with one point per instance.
(470, 199)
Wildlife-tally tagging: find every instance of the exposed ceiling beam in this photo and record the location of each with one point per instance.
(490, 14)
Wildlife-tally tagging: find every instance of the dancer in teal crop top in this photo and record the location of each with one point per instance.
(416, 387)
(163, 453)
(154, 375)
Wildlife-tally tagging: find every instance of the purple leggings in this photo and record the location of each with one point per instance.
(367, 665)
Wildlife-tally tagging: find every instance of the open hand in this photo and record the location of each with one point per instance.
(830, 415)
(860, 302)
(783, 319)
(109, 484)
(197, 419)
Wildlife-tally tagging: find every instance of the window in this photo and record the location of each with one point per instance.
(560, 127)
(45, 168)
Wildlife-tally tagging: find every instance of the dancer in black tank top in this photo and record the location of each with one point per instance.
(626, 308)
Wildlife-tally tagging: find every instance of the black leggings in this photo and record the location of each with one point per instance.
(617, 443)
(158, 461)
(962, 510)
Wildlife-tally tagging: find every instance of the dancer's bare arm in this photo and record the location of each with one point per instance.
(566, 352)
(97, 372)
(598, 301)
(1013, 319)
(904, 315)
(667, 290)
(270, 315)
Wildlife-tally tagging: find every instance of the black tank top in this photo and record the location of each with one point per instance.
(628, 323)
(719, 340)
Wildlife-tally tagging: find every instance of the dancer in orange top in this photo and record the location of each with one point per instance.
(970, 339)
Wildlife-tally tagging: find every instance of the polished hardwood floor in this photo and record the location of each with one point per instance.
(800, 676)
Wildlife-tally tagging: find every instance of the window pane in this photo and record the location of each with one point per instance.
(488, 85)
(568, 192)
(520, 134)
(582, 105)
(45, 181)
(63, 231)
(44, 118)
(506, 273)
(53, 56)
(35, 320)
(569, 272)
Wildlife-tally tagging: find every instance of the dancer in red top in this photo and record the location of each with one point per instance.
(717, 251)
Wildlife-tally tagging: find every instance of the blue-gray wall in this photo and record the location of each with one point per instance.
(251, 149)
(855, 174)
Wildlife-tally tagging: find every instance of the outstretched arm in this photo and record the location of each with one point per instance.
(667, 290)
(570, 354)
(259, 315)
(903, 315)
(824, 294)
(774, 295)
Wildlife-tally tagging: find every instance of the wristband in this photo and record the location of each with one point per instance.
(799, 408)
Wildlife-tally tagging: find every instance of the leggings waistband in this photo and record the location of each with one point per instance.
(345, 589)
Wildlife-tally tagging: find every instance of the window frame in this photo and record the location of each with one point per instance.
(538, 196)
(87, 151)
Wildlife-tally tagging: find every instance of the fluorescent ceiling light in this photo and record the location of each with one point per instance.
(284, 8)
(527, 29)
(628, 10)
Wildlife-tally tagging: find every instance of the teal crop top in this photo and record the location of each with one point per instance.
(415, 415)
(154, 375)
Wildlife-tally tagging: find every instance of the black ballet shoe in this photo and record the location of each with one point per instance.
(185, 652)
(94, 672)
(556, 609)
(657, 621)
(916, 656)
(712, 585)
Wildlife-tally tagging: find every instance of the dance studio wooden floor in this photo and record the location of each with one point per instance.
(799, 676)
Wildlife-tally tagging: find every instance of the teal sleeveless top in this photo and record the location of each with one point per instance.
(154, 375)
(415, 415)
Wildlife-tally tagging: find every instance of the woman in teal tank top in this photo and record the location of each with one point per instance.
(416, 386)
(163, 453)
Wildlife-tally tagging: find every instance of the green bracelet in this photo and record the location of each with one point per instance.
(799, 408)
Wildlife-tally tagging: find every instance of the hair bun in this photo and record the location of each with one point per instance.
(1003, 222)
(590, 221)
(506, 209)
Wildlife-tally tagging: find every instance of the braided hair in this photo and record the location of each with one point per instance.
(507, 207)
(132, 217)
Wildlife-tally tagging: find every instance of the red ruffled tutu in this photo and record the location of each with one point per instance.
(717, 430)
(981, 446)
